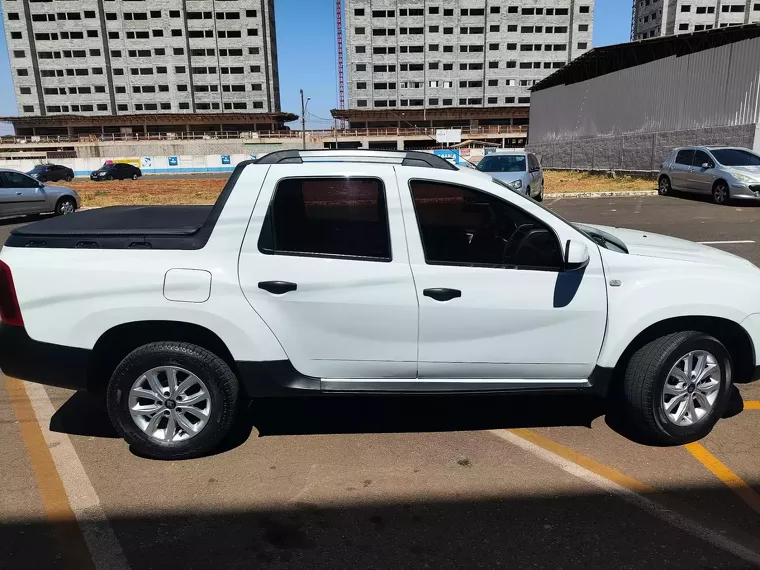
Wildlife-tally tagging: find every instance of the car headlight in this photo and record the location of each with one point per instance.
(741, 177)
(515, 184)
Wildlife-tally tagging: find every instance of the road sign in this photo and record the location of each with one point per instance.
(448, 136)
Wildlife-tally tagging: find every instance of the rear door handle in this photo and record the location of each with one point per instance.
(442, 294)
(277, 287)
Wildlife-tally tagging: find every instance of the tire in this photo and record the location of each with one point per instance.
(135, 177)
(540, 197)
(109, 177)
(69, 178)
(720, 193)
(216, 379)
(644, 389)
(663, 186)
(65, 206)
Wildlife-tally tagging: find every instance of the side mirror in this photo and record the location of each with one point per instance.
(576, 255)
(707, 165)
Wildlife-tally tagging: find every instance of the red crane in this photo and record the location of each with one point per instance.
(339, 28)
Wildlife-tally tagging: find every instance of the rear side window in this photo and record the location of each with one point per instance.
(463, 226)
(329, 217)
(685, 157)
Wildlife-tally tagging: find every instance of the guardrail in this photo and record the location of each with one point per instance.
(506, 130)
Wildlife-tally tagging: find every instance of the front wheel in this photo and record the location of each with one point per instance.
(677, 387)
(540, 197)
(65, 206)
(721, 194)
(134, 177)
(173, 400)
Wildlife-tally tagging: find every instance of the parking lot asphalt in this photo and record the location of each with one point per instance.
(391, 482)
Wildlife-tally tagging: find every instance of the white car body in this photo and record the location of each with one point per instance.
(365, 326)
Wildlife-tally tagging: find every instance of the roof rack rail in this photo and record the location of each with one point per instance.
(403, 158)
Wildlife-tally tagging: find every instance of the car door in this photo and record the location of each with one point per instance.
(326, 266)
(679, 171)
(24, 195)
(701, 179)
(496, 308)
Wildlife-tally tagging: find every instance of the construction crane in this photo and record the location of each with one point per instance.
(633, 20)
(339, 34)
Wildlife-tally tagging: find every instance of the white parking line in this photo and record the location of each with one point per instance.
(85, 504)
(727, 242)
(634, 497)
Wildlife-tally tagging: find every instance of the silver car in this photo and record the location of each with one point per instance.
(21, 195)
(520, 171)
(723, 172)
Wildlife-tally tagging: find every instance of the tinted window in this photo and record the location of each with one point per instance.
(502, 163)
(38, 169)
(700, 157)
(533, 162)
(736, 157)
(334, 217)
(18, 180)
(685, 157)
(461, 226)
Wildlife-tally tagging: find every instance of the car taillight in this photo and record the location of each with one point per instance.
(10, 313)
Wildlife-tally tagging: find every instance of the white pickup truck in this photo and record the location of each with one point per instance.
(321, 272)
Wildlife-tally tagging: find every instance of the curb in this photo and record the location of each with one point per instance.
(608, 194)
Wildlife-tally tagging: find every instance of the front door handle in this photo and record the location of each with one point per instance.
(19, 193)
(442, 294)
(277, 287)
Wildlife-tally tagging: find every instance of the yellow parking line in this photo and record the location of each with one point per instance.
(729, 478)
(752, 405)
(602, 470)
(55, 503)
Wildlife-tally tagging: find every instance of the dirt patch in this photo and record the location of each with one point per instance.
(206, 190)
(559, 182)
(149, 191)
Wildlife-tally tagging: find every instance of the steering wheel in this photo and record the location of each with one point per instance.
(513, 243)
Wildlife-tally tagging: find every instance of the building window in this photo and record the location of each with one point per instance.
(683, 27)
(16, 35)
(359, 12)
(361, 103)
(19, 53)
(584, 10)
(28, 108)
(686, 8)
(361, 49)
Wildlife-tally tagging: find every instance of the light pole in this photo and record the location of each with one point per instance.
(303, 118)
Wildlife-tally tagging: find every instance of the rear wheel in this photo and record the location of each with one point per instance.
(663, 187)
(65, 206)
(720, 193)
(172, 400)
(677, 387)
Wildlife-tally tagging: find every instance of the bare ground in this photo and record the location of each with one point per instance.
(206, 190)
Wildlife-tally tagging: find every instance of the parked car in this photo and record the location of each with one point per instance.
(725, 173)
(22, 195)
(51, 173)
(116, 171)
(520, 171)
(366, 272)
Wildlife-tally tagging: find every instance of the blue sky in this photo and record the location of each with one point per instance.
(307, 54)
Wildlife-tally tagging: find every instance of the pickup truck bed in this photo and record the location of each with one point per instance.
(118, 227)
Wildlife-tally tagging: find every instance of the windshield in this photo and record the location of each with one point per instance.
(108, 166)
(502, 163)
(599, 237)
(37, 169)
(736, 157)
(602, 238)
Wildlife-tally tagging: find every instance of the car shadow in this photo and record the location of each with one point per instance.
(707, 199)
(85, 414)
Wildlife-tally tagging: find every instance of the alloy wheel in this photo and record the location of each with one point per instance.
(170, 404)
(691, 388)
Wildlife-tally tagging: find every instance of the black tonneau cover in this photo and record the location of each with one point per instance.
(117, 227)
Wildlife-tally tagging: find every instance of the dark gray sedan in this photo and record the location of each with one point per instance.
(22, 195)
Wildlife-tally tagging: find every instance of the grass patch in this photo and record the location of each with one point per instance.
(562, 181)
